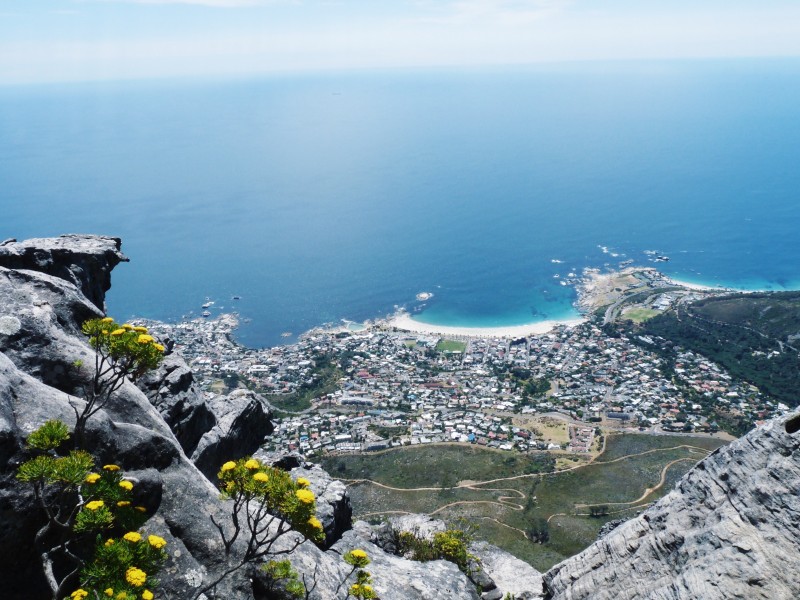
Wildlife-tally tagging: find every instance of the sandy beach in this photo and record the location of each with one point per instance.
(405, 322)
(700, 288)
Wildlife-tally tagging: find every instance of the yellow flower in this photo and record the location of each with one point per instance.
(158, 347)
(108, 592)
(92, 478)
(262, 477)
(133, 536)
(252, 464)
(156, 541)
(228, 466)
(305, 496)
(366, 588)
(141, 509)
(79, 594)
(303, 482)
(140, 329)
(109, 542)
(230, 486)
(118, 331)
(111, 467)
(145, 339)
(135, 577)
(358, 553)
(355, 589)
(122, 596)
(127, 326)
(94, 504)
(315, 523)
(126, 485)
(123, 503)
(105, 331)
(147, 595)
(107, 320)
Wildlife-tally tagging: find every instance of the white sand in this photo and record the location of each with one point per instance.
(406, 323)
(698, 287)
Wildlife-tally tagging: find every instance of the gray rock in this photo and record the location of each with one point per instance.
(243, 419)
(730, 529)
(510, 574)
(172, 390)
(394, 578)
(609, 527)
(333, 501)
(84, 260)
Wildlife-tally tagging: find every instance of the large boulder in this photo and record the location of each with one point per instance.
(173, 391)
(242, 420)
(509, 574)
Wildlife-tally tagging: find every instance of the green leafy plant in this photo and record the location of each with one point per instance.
(121, 352)
(81, 502)
(266, 504)
(362, 587)
(281, 573)
(450, 545)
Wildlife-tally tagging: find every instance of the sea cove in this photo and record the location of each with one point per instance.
(320, 197)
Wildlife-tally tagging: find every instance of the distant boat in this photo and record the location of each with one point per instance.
(205, 313)
(237, 297)
(422, 296)
(286, 334)
(662, 258)
(207, 304)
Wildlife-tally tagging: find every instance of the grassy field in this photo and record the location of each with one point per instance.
(504, 494)
(546, 428)
(639, 315)
(450, 346)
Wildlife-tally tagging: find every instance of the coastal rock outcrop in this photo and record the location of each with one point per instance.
(84, 260)
(730, 529)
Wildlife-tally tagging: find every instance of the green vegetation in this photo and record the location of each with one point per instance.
(274, 504)
(83, 505)
(435, 465)
(639, 315)
(324, 380)
(388, 432)
(540, 516)
(450, 545)
(754, 336)
(451, 346)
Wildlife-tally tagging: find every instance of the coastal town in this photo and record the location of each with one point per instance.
(380, 387)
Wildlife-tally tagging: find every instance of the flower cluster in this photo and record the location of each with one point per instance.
(247, 479)
(108, 501)
(362, 588)
(123, 567)
(129, 348)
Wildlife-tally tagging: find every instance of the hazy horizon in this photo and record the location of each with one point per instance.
(95, 40)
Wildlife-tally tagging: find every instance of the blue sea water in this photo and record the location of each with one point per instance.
(318, 197)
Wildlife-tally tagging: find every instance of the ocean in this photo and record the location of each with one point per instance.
(321, 197)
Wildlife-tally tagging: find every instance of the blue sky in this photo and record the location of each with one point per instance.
(61, 40)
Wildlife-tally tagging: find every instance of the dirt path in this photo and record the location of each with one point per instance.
(511, 502)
